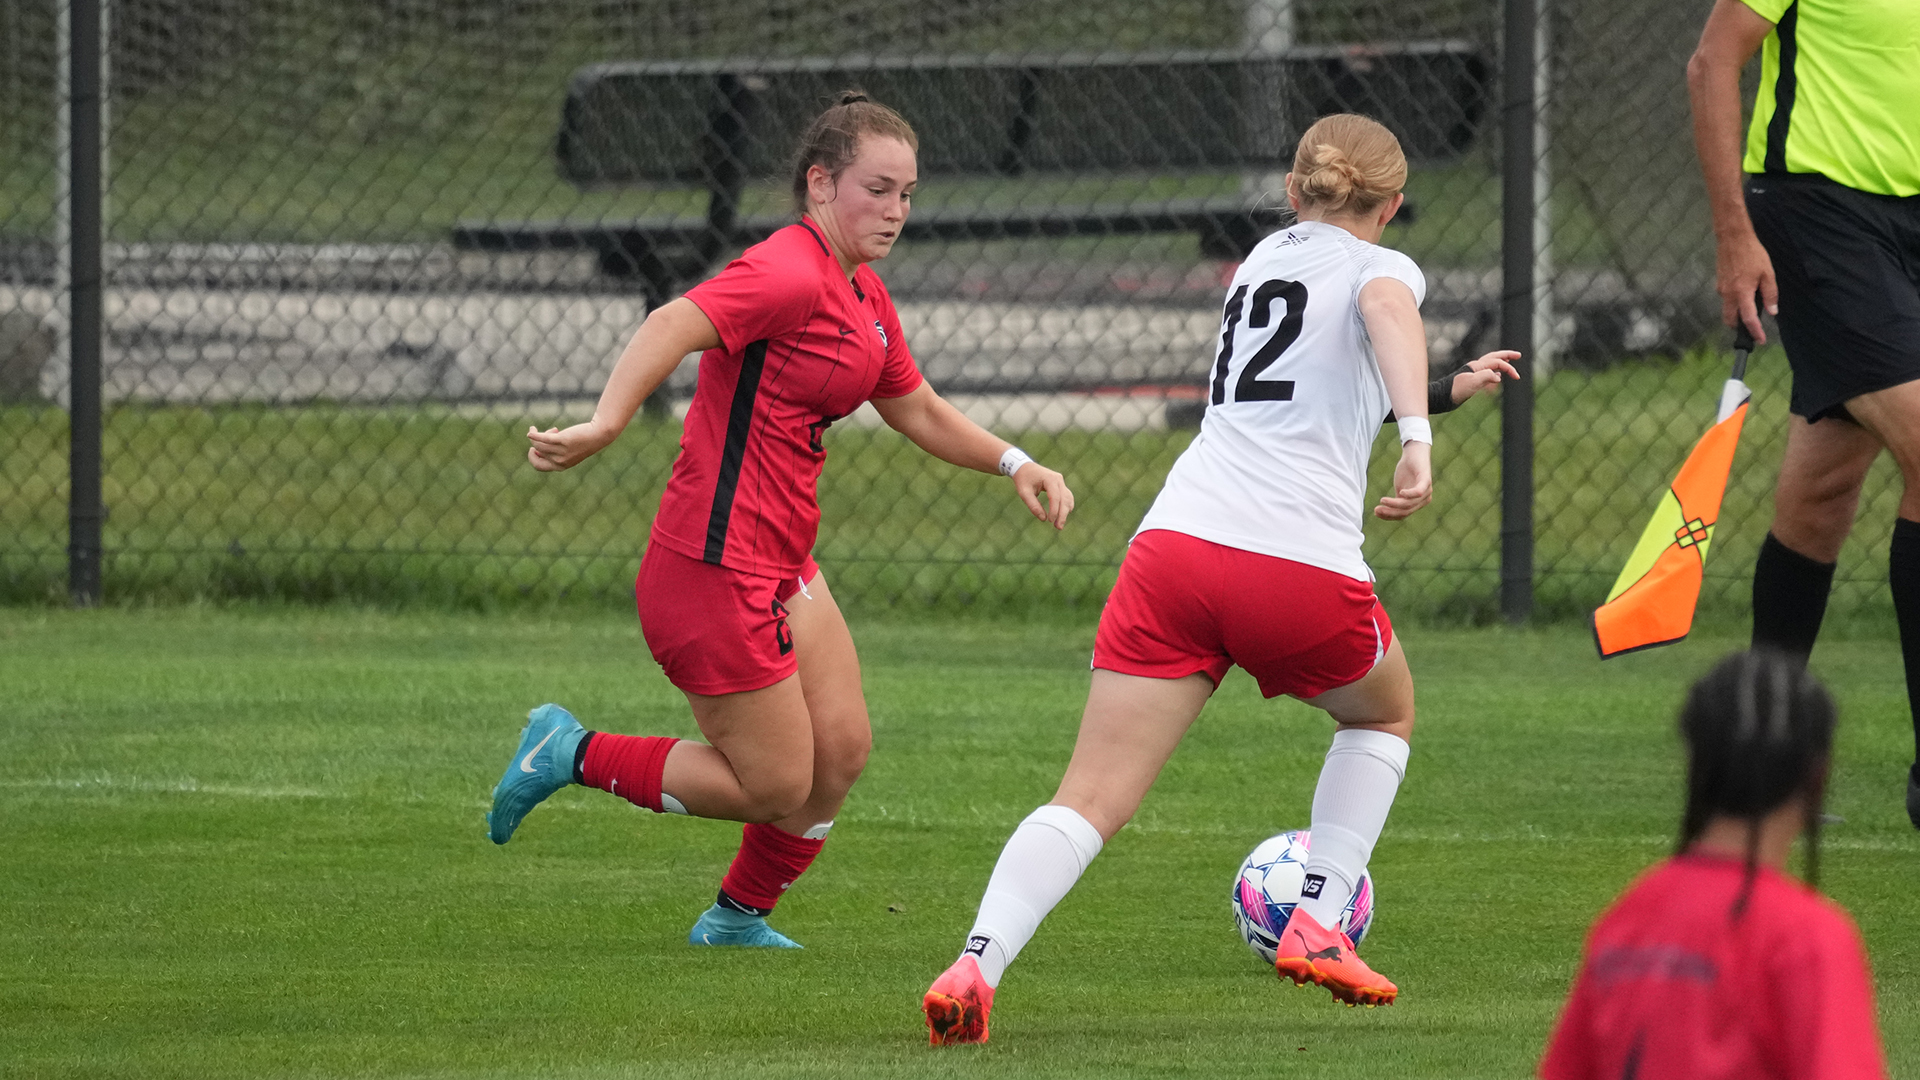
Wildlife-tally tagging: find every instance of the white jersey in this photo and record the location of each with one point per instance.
(1296, 399)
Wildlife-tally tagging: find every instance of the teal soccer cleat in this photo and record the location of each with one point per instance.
(720, 926)
(541, 766)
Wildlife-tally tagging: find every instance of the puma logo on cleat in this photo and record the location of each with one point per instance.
(1331, 952)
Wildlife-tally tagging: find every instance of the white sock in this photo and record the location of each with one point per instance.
(1357, 784)
(1042, 860)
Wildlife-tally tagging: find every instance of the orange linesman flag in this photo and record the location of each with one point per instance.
(1652, 601)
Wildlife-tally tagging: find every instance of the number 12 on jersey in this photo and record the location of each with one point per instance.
(1249, 386)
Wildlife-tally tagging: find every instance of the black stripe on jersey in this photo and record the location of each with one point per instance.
(1783, 87)
(824, 250)
(739, 424)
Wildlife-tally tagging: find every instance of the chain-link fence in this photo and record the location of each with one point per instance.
(353, 249)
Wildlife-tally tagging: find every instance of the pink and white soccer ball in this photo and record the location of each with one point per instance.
(1268, 886)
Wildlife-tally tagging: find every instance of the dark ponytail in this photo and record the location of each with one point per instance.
(1759, 732)
(833, 139)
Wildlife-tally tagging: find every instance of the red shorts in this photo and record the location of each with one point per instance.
(1183, 604)
(715, 630)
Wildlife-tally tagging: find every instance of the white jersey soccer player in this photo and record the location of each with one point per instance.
(1290, 480)
(1251, 555)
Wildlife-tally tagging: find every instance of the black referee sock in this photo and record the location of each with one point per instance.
(1790, 598)
(1903, 574)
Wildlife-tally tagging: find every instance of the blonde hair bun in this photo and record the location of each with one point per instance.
(1348, 163)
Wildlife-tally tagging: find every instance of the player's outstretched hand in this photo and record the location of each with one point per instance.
(1483, 374)
(555, 449)
(1033, 480)
(1412, 483)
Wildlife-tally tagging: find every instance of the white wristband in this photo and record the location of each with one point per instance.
(1011, 461)
(1416, 429)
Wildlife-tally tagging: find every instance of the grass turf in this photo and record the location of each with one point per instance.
(247, 843)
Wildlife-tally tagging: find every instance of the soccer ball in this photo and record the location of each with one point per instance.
(1268, 886)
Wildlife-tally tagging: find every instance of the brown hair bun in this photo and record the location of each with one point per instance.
(833, 139)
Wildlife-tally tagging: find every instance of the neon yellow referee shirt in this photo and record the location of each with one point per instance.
(1840, 93)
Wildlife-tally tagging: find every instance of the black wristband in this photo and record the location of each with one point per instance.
(1439, 396)
(1440, 392)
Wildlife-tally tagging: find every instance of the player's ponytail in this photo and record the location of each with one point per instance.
(833, 139)
(1348, 164)
(1759, 731)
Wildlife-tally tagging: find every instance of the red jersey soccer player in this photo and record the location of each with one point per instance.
(1715, 964)
(795, 334)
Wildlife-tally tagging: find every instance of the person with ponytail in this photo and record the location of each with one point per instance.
(1716, 964)
(1251, 555)
(795, 334)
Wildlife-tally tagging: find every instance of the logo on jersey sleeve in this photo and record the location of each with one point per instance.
(881, 330)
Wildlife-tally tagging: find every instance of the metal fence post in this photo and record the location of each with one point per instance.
(85, 507)
(1517, 308)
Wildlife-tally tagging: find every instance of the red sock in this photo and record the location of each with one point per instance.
(770, 859)
(629, 766)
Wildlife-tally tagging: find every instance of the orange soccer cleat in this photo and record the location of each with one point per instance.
(957, 1005)
(1311, 953)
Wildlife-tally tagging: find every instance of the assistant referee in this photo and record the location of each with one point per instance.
(1825, 227)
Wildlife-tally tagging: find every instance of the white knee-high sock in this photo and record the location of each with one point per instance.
(1042, 860)
(1357, 784)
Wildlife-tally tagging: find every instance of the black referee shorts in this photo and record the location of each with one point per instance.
(1848, 264)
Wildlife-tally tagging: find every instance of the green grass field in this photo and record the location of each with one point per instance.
(247, 842)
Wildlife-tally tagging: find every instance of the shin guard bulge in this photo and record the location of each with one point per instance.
(1357, 784)
(770, 860)
(629, 766)
(1042, 860)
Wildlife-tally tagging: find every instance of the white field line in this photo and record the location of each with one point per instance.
(182, 786)
(1830, 839)
(113, 785)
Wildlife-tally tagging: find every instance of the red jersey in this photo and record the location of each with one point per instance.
(1673, 986)
(800, 347)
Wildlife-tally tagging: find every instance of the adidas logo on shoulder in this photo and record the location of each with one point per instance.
(1291, 239)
